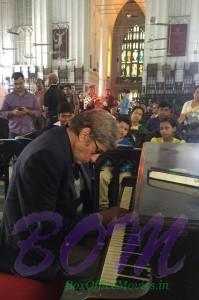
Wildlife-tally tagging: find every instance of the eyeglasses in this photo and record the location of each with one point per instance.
(98, 150)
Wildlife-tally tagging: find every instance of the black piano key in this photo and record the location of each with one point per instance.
(129, 259)
(129, 235)
(130, 271)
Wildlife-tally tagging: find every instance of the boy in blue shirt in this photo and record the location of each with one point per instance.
(164, 111)
(107, 170)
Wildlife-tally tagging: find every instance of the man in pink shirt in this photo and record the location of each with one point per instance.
(20, 108)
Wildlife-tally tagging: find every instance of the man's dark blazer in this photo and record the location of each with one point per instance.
(42, 180)
(52, 99)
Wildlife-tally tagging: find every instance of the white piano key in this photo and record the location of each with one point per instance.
(110, 269)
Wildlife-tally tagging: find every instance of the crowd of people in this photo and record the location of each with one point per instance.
(53, 105)
(74, 130)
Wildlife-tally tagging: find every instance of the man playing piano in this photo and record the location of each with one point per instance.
(43, 181)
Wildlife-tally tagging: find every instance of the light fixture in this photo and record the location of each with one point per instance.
(37, 44)
(128, 16)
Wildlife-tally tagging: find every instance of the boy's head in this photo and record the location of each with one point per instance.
(164, 110)
(167, 128)
(137, 114)
(124, 124)
(65, 113)
(155, 108)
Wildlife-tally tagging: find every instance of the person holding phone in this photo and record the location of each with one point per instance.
(20, 108)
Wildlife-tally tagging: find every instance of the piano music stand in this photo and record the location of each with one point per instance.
(117, 157)
(21, 143)
(7, 150)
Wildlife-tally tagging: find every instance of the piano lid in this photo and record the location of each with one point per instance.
(168, 189)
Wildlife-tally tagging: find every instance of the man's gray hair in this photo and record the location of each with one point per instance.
(102, 124)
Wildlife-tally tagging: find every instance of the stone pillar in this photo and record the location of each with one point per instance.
(7, 21)
(103, 51)
(41, 29)
(193, 37)
(156, 12)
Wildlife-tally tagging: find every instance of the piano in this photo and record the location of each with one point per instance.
(172, 196)
(151, 196)
(117, 279)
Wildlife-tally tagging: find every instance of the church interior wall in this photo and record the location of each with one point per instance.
(170, 12)
(92, 40)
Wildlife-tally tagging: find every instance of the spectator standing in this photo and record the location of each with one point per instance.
(90, 98)
(125, 103)
(40, 91)
(39, 94)
(81, 101)
(190, 114)
(109, 101)
(3, 93)
(20, 108)
(52, 100)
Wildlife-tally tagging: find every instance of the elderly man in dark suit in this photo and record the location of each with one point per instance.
(52, 99)
(43, 180)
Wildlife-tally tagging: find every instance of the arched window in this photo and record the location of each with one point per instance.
(132, 54)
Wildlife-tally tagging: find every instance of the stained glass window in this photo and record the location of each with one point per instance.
(132, 54)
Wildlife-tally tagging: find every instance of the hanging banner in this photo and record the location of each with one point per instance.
(177, 38)
(60, 43)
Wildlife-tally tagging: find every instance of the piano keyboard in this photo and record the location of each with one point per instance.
(120, 264)
(117, 266)
(118, 277)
